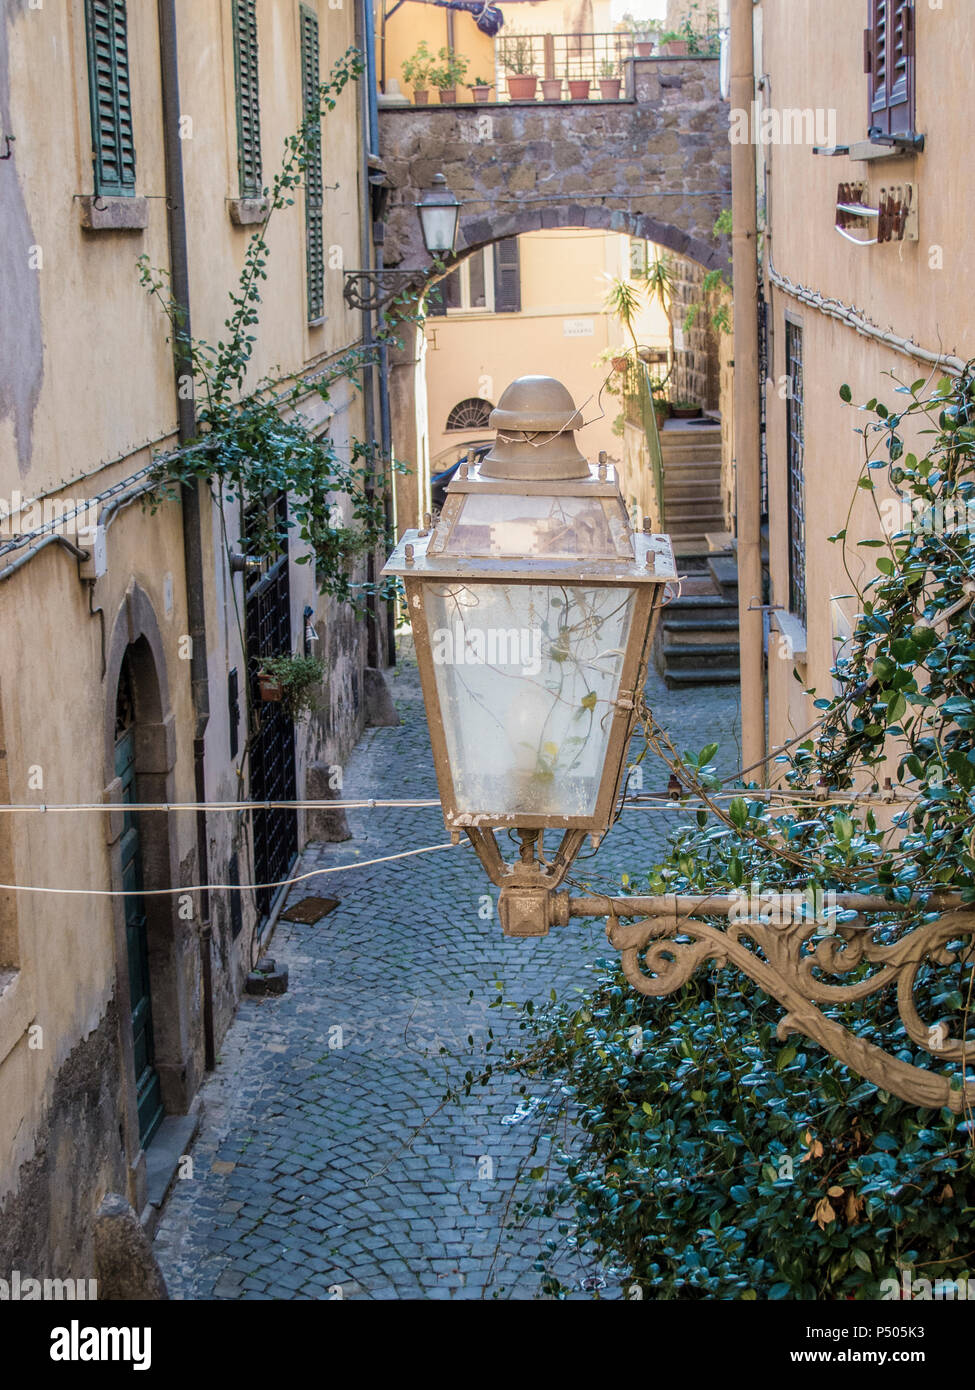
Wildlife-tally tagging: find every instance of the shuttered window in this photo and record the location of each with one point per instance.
(888, 57)
(113, 148)
(507, 276)
(796, 454)
(248, 99)
(314, 239)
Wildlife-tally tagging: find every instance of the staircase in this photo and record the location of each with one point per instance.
(698, 639)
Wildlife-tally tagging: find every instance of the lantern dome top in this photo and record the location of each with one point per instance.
(535, 419)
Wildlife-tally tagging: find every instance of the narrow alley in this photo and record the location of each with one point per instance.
(310, 1179)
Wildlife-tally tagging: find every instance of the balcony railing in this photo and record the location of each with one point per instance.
(561, 56)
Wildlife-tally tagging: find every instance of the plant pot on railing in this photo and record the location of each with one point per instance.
(609, 88)
(579, 88)
(620, 364)
(551, 89)
(480, 91)
(643, 50)
(269, 687)
(521, 86)
(421, 96)
(675, 48)
(447, 95)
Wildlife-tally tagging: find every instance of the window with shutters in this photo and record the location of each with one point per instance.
(113, 146)
(488, 281)
(250, 179)
(888, 57)
(796, 451)
(314, 234)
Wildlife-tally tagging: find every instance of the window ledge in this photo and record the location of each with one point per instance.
(114, 214)
(248, 212)
(787, 625)
(868, 151)
(317, 323)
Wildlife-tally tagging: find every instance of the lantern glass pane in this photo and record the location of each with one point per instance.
(527, 676)
(439, 226)
(561, 528)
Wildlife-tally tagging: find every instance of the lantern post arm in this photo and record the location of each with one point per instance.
(772, 942)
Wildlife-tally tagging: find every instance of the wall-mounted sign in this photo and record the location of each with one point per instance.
(578, 328)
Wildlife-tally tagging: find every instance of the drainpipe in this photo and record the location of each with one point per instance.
(189, 493)
(371, 121)
(364, 42)
(744, 241)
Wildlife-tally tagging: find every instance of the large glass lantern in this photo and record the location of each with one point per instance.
(439, 212)
(532, 603)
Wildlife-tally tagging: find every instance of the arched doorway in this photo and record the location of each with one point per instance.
(148, 1088)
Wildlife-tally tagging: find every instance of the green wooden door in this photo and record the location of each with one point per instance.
(148, 1090)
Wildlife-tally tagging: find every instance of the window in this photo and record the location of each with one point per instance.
(795, 447)
(472, 414)
(314, 243)
(113, 146)
(488, 280)
(248, 99)
(888, 59)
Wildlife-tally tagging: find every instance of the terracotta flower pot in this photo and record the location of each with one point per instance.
(521, 86)
(551, 89)
(421, 96)
(609, 88)
(579, 88)
(644, 50)
(676, 48)
(620, 364)
(685, 412)
(269, 686)
(447, 95)
(479, 93)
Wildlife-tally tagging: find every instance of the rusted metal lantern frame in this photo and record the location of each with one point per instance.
(536, 486)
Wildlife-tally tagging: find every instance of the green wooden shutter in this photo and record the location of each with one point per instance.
(113, 147)
(507, 276)
(314, 239)
(248, 99)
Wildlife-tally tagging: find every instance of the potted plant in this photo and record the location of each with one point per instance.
(416, 73)
(447, 73)
(609, 82)
(518, 59)
(684, 410)
(675, 43)
(579, 88)
(480, 89)
(293, 680)
(643, 43)
(551, 88)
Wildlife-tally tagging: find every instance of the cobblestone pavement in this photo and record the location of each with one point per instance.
(310, 1179)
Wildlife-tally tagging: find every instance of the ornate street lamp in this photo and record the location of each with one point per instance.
(439, 214)
(533, 605)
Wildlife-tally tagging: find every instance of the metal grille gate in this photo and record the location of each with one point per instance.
(272, 754)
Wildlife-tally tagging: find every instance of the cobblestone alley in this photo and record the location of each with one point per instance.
(308, 1180)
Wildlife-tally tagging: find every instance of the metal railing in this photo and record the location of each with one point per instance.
(560, 56)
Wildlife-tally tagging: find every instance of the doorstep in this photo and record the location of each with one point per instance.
(172, 1141)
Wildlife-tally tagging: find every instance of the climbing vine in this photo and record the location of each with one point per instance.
(255, 442)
